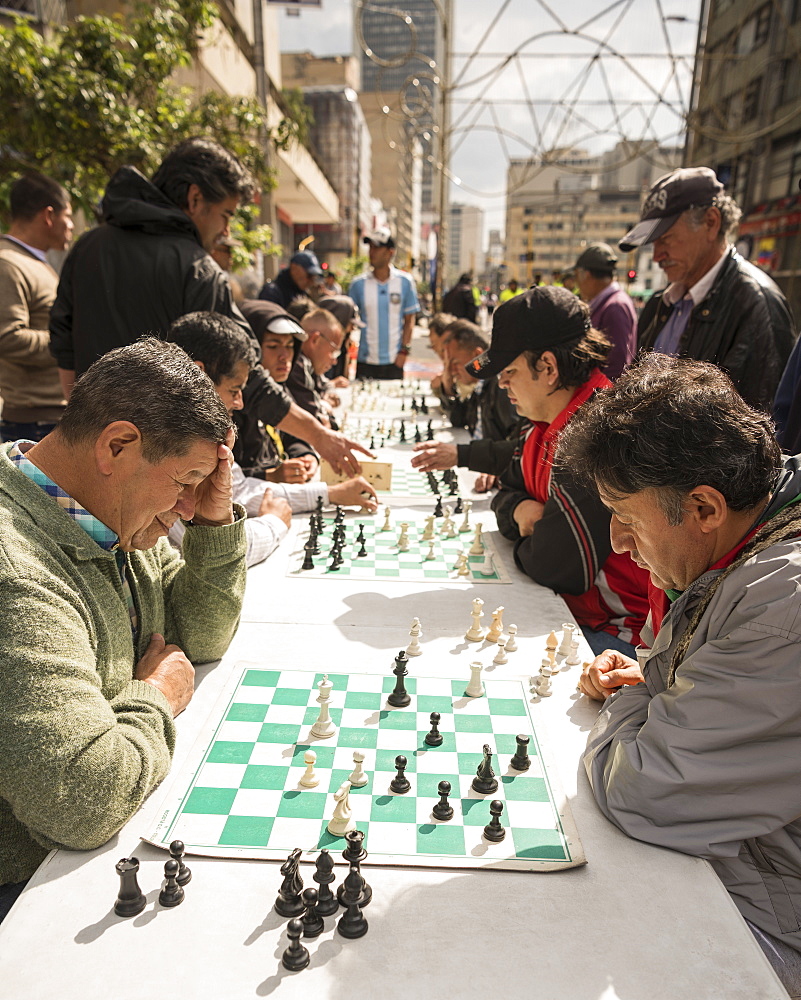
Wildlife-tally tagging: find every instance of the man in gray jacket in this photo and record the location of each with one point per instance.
(701, 752)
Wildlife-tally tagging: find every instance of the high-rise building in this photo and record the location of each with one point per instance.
(400, 103)
(746, 125)
(465, 241)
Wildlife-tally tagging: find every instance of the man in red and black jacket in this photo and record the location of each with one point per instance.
(547, 356)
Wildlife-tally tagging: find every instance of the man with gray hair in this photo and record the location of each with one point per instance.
(698, 751)
(718, 307)
(100, 619)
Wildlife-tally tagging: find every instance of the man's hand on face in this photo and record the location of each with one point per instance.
(275, 505)
(526, 515)
(607, 673)
(434, 455)
(214, 496)
(168, 669)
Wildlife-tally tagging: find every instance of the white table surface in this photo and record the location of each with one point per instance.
(636, 923)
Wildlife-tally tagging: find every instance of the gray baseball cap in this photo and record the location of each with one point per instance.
(672, 194)
(597, 257)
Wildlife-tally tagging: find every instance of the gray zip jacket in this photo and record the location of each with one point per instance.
(711, 765)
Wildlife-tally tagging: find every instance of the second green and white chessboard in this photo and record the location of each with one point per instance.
(385, 561)
(239, 794)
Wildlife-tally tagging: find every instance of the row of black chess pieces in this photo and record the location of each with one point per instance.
(307, 907)
(449, 479)
(131, 900)
(402, 439)
(317, 527)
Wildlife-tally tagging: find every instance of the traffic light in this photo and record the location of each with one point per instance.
(632, 274)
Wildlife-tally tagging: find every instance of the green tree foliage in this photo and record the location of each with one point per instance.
(350, 268)
(100, 92)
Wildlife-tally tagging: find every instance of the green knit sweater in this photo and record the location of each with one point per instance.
(81, 742)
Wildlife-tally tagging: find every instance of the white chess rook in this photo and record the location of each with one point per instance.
(567, 635)
(475, 689)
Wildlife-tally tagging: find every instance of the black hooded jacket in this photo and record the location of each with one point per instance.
(133, 275)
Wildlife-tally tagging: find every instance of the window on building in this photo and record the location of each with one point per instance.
(795, 174)
(762, 25)
(751, 97)
(790, 76)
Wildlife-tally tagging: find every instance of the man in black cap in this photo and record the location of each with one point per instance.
(718, 307)
(611, 309)
(293, 281)
(387, 301)
(547, 357)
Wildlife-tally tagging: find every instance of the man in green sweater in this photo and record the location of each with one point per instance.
(100, 619)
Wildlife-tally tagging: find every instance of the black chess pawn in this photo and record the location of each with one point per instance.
(354, 854)
(429, 431)
(362, 551)
(312, 920)
(130, 899)
(372, 444)
(327, 902)
(402, 436)
(414, 405)
(443, 809)
(400, 697)
(177, 853)
(289, 902)
(352, 923)
(485, 781)
(335, 564)
(172, 894)
(296, 956)
(418, 437)
(308, 562)
(400, 783)
(521, 760)
(435, 737)
(493, 830)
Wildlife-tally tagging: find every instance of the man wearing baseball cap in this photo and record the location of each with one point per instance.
(295, 280)
(548, 358)
(387, 301)
(611, 309)
(717, 307)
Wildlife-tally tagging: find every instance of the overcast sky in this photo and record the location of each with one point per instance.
(586, 73)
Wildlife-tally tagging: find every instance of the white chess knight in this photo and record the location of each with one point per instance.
(310, 778)
(462, 565)
(448, 530)
(477, 548)
(465, 525)
(475, 689)
(428, 531)
(342, 821)
(511, 642)
(324, 726)
(414, 648)
(358, 778)
(476, 633)
(496, 626)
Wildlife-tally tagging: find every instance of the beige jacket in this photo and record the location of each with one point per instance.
(29, 383)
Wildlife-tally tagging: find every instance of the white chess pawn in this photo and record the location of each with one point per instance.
(511, 642)
(477, 548)
(413, 649)
(465, 525)
(487, 568)
(476, 633)
(324, 726)
(567, 634)
(428, 531)
(500, 656)
(573, 658)
(358, 778)
(342, 821)
(430, 553)
(386, 526)
(403, 538)
(543, 686)
(475, 689)
(496, 626)
(310, 778)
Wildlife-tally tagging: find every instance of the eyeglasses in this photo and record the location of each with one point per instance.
(335, 351)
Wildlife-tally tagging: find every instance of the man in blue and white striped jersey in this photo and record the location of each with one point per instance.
(387, 301)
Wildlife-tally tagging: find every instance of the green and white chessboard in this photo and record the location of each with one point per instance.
(239, 796)
(408, 482)
(384, 561)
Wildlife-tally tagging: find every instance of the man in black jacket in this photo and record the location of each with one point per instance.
(294, 281)
(148, 264)
(718, 307)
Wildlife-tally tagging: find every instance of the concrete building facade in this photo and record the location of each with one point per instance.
(465, 241)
